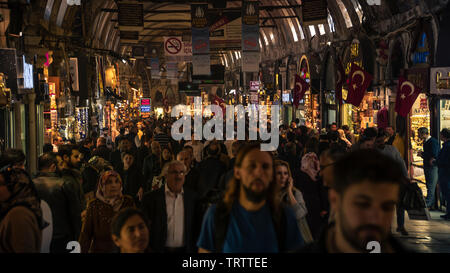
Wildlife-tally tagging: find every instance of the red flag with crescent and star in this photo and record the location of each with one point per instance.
(407, 94)
(359, 81)
(340, 79)
(219, 101)
(301, 86)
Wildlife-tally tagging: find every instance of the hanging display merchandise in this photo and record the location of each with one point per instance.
(310, 111)
(82, 119)
(67, 128)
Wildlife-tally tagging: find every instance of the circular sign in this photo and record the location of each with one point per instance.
(173, 46)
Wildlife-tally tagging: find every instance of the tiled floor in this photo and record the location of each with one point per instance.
(426, 236)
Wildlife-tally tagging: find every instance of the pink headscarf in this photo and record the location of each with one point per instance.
(115, 202)
(311, 165)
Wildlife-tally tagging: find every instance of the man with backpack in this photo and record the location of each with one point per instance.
(250, 218)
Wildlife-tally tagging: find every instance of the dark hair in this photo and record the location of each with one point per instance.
(423, 130)
(333, 136)
(102, 140)
(47, 160)
(345, 127)
(12, 156)
(47, 148)
(122, 216)
(290, 148)
(382, 134)
(87, 141)
(312, 146)
(66, 149)
(446, 133)
(366, 165)
(335, 152)
(370, 132)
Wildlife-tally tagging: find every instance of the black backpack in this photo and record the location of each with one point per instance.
(222, 220)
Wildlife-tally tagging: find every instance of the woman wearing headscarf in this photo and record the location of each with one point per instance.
(21, 221)
(314, 193)
(95, 234)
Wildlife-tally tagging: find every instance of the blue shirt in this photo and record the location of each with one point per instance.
(250, 231)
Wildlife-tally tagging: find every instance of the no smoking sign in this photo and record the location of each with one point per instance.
(173, 46)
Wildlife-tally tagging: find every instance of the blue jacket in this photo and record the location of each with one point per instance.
(443, 162)
(430, 150)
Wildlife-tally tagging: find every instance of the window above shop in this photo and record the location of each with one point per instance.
(265, 38)
(294, 33)
(321, 29)
(312, 30)
(331, 22)
(302, 35)
(358, 10)
(348, 21)
(61, 13)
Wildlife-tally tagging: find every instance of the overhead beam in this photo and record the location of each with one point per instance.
(226, 9)
(161, 21)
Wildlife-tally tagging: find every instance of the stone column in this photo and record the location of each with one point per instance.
(32, 137)
(17, 127)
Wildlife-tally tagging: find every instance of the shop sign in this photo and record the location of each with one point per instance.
(254, 85)
(355, 56)
(440, 80)
(420, 77)
(73, 66)
(422, 53)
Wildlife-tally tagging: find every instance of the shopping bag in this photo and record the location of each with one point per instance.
(413, 201)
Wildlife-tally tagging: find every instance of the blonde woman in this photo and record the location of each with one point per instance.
(292, 197)
(343, 138)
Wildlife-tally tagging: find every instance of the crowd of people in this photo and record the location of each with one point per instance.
(320, 191)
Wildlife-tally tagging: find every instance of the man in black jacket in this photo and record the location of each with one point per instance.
(192, 175)
(60, 195)
(132, 177)
(151, 166)
(70, 170)
(173, 213)
(210, 169)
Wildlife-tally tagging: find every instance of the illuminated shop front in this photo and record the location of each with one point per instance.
(363, 116)
(310, 112)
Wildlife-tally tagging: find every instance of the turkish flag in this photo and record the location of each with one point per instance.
(340, 79)
(359, 81)
(219, 101)
(407, 94)
(301, 86)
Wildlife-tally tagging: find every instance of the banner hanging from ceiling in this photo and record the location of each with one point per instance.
(200, 40)
(250, 36)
